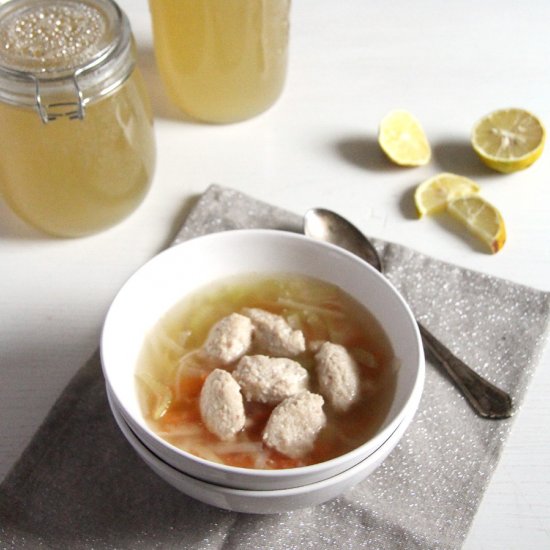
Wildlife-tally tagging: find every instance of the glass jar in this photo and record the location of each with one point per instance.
(77, 149)
(221, 60)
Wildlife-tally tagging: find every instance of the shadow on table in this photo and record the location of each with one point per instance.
(458, 156)
(363, 151)
(449, 155)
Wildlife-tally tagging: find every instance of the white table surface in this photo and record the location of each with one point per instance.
(447, 62)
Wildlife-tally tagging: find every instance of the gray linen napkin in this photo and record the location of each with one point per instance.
(80, 485)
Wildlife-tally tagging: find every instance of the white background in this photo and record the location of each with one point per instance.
(447, 62)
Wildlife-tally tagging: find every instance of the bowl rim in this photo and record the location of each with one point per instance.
(354, 455)
(136, 442)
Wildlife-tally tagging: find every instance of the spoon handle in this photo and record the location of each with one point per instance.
(485, 398)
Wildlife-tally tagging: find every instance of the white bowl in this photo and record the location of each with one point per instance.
(177, 272)
(261, 502)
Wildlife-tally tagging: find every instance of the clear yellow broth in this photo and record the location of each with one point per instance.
(169, 386)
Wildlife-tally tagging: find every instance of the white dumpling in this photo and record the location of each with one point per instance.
(221, 405)
(270, 379)
(229, 339)
(295, 423)
(338, 376)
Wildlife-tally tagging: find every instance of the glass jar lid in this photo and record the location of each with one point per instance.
(59, 55)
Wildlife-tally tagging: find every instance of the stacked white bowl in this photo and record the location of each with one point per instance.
(178, 272)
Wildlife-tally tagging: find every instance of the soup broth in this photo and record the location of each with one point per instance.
(172, 369)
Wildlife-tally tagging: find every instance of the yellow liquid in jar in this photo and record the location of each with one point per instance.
(75, 177)
(221, 60)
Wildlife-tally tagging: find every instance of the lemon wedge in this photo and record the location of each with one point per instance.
(432, 195)
(509, 139)
(403, 140)
(481, 218)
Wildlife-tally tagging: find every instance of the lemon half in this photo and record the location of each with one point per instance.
(509, 139)
(403, 140)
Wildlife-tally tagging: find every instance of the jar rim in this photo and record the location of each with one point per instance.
(54, 80)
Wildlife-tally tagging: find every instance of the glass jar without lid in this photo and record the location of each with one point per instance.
(77, 148)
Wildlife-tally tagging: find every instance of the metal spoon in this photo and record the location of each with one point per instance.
(485, 398)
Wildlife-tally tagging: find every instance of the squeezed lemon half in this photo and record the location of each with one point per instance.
(432, 195)
(508, 140)
(403, 140)
(481, 218)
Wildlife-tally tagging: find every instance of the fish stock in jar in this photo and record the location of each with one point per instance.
(77, 148)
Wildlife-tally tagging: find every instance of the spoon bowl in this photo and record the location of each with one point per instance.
(330, 227)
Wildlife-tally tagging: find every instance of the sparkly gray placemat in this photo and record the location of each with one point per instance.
(80, 485)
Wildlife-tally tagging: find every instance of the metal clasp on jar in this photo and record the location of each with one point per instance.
(52, 111)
